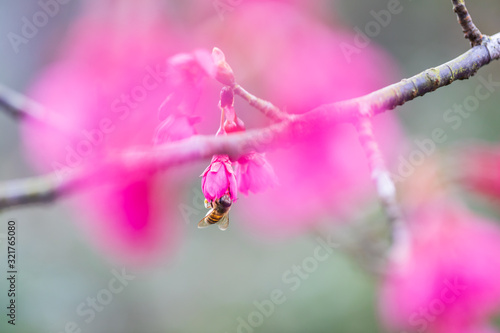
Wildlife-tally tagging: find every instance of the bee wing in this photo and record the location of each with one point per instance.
(203, 223)
(224, 222)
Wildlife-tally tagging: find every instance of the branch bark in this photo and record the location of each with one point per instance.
(49, 187)
(461, 68)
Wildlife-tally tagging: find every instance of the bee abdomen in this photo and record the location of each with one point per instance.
(213, 218)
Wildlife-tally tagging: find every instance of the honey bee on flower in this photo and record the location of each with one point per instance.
(219, 187)
(218, 214)
(223, 178)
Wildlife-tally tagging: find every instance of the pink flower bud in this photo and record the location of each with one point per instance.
(224, 74)
(234, 126)
(219, 179)
(226, 97)
(232, 122)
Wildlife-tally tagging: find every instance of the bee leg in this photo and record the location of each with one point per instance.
(208, 204)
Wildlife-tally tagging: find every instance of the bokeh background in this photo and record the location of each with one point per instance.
(212, 278)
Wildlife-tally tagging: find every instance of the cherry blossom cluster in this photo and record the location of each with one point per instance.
(250, 172)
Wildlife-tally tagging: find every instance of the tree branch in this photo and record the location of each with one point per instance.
(388, 98)
(30, 190)
(470, 30)
(49, 187)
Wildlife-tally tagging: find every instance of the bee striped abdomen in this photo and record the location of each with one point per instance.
(213, 218)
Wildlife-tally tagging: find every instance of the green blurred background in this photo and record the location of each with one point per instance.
(213, 278)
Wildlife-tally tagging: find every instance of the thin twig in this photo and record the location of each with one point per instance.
(20, 106)
(296, 127)
(471, 32)
(266, 107)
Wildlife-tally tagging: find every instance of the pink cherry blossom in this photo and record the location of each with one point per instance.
(219, 179)
(444, 277)
(254, 173)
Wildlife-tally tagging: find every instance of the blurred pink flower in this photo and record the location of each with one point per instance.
(186, 72)
(103, 91)
(219, 179)
(326, 176)
(444, 278)
(174, 128)
(254, 173)
(225, 9)
(479, 169)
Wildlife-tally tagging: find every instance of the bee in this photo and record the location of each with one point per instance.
(218, 213)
